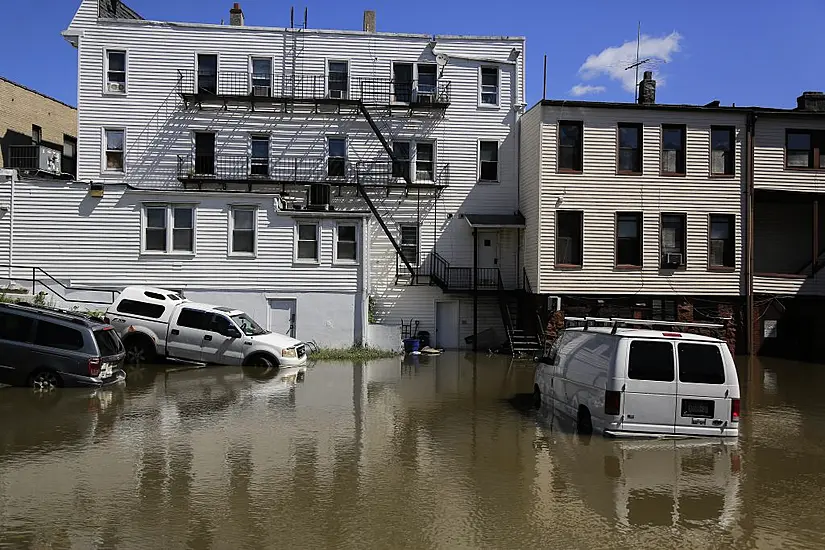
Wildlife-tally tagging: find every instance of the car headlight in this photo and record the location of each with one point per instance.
(289, 352)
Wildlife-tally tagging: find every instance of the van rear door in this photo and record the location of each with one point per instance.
(649, 397)
(703, 405)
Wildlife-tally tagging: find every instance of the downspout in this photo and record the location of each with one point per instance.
(749, 229)
(11, 226)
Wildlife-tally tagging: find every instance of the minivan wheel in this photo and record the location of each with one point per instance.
(584, 424)
(536, 397)
(139, 351)
(45, 380)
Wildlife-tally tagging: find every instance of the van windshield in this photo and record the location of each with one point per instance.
(247, 325)
(701, 364)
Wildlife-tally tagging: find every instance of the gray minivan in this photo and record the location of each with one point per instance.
(46, 348)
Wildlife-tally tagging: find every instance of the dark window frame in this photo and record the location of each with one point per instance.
(729, 251)
(578, 149)
(639, 127)
(816, 150)
(402, 166)
(482, 162)
(49, 340)
(204, 315)
(407, 248)
(132, 310)
(639, 238)
(37, 134)
(691, 376)
(730, 160)
(18, 337)
(580, 247)
(337, 165)
(631, 365)
(338, 84)
(681, 154)
(682, 241)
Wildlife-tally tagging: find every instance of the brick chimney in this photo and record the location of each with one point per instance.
(647, 89)
(811, 101)
(236, 16)
(369, 20)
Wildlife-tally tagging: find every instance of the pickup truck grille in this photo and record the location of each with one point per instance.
(301, 351)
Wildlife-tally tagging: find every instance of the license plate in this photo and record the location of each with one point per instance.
(693, 408)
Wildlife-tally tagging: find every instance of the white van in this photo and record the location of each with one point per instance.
(624, 381)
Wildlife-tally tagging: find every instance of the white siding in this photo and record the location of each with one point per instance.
(600, 193)
(530, 178)
(769, 156)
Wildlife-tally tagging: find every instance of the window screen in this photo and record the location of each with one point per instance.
(651, 361)
(701, 364)
(144, 309)
(57, 336)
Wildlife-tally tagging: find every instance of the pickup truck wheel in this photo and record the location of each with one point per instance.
(139, 351)
(262, 362)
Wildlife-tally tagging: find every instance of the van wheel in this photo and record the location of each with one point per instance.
(584, 424)
(139, 351)
(536, 397)
(45, 380)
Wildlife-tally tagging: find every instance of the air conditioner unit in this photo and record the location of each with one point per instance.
(337, 94)
(671, 260)
(117, 87)
(48, 160)
(319, 196)
(426, 97)
(261, 91)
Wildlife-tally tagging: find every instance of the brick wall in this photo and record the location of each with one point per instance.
(20, 108)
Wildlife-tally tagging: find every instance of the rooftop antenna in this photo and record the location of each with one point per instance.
(305, 17)
(291, 17)
(638, 62)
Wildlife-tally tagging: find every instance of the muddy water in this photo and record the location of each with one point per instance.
(433, 454)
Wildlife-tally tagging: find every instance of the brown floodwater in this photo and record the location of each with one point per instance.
(437, 453)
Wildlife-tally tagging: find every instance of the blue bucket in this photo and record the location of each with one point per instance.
(411, 344)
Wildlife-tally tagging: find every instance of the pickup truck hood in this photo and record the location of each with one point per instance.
(278, 340)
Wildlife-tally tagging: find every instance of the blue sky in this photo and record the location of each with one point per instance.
(748, 52)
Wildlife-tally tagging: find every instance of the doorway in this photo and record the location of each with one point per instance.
(446, 325)
(488, 249)
(282, 317)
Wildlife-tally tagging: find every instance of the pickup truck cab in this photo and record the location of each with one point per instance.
(155, 322)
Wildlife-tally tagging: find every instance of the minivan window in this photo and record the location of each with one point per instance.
(15, 328)
(52, 335)
(651, 361)
(192, 318)
(701, 364)
(107, 342)
(144, 309)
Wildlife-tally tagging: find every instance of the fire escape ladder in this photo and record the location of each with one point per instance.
(381, 138)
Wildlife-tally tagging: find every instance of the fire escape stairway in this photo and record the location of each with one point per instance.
(519, 340)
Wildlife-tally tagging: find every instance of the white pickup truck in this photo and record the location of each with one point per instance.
(154, 322)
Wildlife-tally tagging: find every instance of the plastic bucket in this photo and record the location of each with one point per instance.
(411, 344)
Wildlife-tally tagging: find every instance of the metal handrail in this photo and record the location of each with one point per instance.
(440, 269)
(526, 281)
(34, 280)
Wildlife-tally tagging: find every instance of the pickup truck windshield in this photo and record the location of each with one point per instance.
(248, 326)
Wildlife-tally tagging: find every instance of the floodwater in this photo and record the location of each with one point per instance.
(438, 453)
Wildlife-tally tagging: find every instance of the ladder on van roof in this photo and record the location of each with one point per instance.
(615, 323)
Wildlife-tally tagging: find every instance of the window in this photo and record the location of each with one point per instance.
(37, 134)
(629, 239)
(401, 166)
(114, 150)
(701, 364)
(261, 76)
(337, 79)
(307, 242)
(205, 153)
(52, 335)
(409, 243)
(157, 221)
(804, 148)
(115, 71)
(243, 229)
(630, 148)
(207, 73)
(569, 228)
(651, 361)
(143, 309)
(15, 328)
(337, 157)
(424, 161)
(673, 243)
(192, 318)
(402, 82)
(489, 86)
(220, 324)
(427, 81)
(68, 163)
(488, 161)
(571, 138)
(108, 342)
(673, 149)
(346, 248)
(722, 150)
(259, 162)
(721, 253)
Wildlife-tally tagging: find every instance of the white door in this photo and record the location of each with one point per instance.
(446, 325)
(187, 333)
(649, 398)
(282, 317)
(488, 249)
(703, 404)
(220, 349)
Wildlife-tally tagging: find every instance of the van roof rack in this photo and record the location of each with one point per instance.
(617, 322)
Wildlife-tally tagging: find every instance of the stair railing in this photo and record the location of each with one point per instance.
(37, 276)
(505, 312)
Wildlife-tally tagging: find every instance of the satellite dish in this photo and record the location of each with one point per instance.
(441, 59)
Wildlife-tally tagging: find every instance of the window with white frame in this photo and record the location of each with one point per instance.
(113, 143)
(425, 161)
(261, 76)
(337, 79)
(169, 228)
(409, 243)
(488, 161)
(307, 242)
(489, 86)
(244, 228)
(346, 246)
(115, 71)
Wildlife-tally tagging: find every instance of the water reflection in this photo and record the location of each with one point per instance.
(434, 452)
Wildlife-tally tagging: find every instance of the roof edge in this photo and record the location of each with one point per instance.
(777, 111)
(41, 94)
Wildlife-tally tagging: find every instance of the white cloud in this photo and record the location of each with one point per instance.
(612, 61)
(584, 89)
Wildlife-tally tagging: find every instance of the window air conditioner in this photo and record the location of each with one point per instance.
(337, 94)
(425, 97)
(671, 260)
(49, 160)
(261, 91)
(117, 87)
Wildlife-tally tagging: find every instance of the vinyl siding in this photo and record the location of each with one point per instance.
(531, 177)
(769, 156)
(600, 193)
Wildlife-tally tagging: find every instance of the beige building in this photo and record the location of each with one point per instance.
(37, 132)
